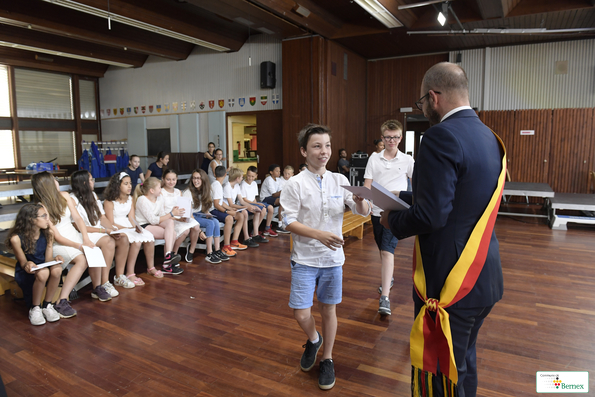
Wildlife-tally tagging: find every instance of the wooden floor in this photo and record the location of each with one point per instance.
(226, 330)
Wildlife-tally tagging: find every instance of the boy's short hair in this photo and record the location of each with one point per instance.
(234, 174)
(311, 129)
(273, 166)
(288, 167)
(219, 171)
(302, 166)
(252, 169)
(391, 125)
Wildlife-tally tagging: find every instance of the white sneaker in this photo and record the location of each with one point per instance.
(50, 313)
(109, 288)
(123, 281)
(36, 316)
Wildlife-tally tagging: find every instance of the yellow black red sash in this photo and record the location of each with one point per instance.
(432, 340)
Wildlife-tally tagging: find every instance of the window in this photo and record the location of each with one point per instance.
(88, 104)
(36, 146)
(4, 93)
(6, 149)
(43, 95)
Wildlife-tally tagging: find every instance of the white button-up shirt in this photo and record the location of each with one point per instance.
(318, 203)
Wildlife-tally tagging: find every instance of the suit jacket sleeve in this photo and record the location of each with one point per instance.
(434, 182)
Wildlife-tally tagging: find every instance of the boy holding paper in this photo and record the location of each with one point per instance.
(314, 202)
(390, 168)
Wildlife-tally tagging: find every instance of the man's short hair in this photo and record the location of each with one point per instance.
(253, 169)
(219, 171)
(448, 78)
(391, 125)
(273, 166)
(234, 174)
(311, 129)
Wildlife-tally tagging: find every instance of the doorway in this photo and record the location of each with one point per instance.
(415, 127)
(242, 141)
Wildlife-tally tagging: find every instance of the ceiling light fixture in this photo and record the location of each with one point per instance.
(444, 14)
(537, 31)
(441, 18)
(135, 23)
(378, 11)
(62, 54)
(301, 10)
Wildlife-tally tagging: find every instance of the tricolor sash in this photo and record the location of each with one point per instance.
(431, 341)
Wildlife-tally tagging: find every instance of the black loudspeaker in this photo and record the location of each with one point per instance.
(267, 75)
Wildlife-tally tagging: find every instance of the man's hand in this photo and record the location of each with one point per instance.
(330, 240)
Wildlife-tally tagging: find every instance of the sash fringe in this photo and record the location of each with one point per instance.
(422, 384)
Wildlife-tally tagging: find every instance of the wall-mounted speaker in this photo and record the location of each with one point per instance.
(267, 75)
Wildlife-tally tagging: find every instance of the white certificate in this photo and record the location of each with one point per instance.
(46, 264)
(361, 191)
(185, 204)
(386, 200)
(94, 256)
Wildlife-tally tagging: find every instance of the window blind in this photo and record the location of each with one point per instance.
(43, 95)
(36, 146)
(88, 104)
(4, 93)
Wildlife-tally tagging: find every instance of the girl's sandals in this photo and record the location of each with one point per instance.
(202, 236)
(136, 280)
(155, 273)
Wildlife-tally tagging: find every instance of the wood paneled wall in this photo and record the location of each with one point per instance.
(315, 90)
(393, 84)
(561, 153)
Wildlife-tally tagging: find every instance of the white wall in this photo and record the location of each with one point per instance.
(524, 77)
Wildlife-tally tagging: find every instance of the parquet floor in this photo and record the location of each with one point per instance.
(226, 330)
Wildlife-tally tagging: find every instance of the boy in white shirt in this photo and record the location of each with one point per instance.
(314, 203)
(270, 192)
(390, 168)
(231, 192)
(287, 173)
(249, 191)
(223, 213)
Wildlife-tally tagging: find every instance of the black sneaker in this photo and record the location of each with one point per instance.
(281, 230)
(189, 256)
(212, 258)
(326, 378)
(64, 309)
(171, 259)
(173, 270)
(221, 255)
(259, 239)
(384, 306)
(100, 293)
(250, 243)
(392, 281)
(309, 357)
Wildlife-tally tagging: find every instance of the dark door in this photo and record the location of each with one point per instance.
(269, 135)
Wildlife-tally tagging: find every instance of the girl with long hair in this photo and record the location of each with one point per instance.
(151, 215)
(119, 210)
(217, 161)
(199, 193)
(31, 241)
(68, 242)
(156, 169)
(98, 226)
(186, 224)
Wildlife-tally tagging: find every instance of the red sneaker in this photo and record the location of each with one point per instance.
(270, 233)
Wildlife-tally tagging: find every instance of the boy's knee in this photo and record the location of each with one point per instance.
(301, 314)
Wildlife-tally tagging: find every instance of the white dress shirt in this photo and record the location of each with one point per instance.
(318, 203)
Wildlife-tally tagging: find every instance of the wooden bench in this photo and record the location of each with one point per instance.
(353, 225)
(7, 266)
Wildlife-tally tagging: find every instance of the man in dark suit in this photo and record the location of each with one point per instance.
(457, 174)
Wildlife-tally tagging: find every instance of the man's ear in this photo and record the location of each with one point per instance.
(303, 152)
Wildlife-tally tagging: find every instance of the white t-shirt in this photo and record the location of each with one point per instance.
(318, 203)
(235, 191)
(390, 174)
(249, 191)
(216, 193)
(269, 187)
(228, 193)
(281, 182)
(188, 194)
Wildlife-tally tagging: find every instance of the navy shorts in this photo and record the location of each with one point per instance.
(270, 200)
(219, 215)
(25, 281)
(384, 238)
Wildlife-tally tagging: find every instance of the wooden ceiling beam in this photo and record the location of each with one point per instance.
(28, 59)
(171, 17)
(490, 9)
(529, 7)
(32, 38)
(61, 21)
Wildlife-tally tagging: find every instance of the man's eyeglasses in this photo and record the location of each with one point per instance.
(420, 103)
(391, 138)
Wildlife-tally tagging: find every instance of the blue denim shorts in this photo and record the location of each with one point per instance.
(385, 240)
(327, 281)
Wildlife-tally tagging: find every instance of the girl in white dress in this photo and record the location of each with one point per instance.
(185, 224)
(119, 210)
(99, 228)
(150, 214)
(68, 242)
